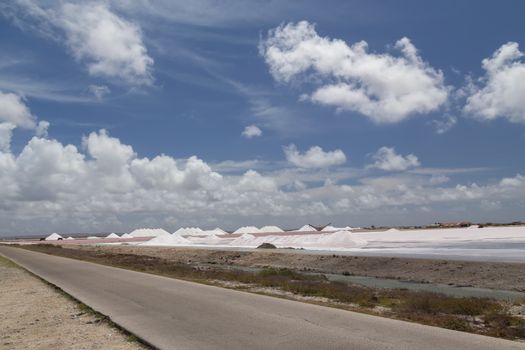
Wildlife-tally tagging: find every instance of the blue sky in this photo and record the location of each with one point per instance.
(118, 114)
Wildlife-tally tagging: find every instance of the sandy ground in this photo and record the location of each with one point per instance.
(33, 315)
(495, 275)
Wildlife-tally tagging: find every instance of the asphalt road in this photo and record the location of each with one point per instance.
(174, 314)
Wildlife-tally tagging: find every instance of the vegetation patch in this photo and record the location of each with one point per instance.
(266, 246)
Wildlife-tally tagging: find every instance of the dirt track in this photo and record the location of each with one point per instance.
(495, 275)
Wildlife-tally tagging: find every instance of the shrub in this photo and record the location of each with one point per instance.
(266, 246)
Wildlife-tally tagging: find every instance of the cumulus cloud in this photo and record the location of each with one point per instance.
(13, 110)
(387, 159)
(99, 91)
(500, 92)
(109, 45)
(315, 157)
(386, 88)
(516, 181)
(6, 132)
(444, 124)
(106, 185)
(42, 128)
(251, 131)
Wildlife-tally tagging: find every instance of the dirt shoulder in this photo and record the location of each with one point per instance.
(34, 315)
(494, 275)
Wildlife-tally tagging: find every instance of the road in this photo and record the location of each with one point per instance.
(175, 314)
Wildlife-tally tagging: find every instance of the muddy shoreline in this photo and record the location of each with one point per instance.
(493, 275)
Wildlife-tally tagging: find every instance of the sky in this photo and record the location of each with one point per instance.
(122, 114)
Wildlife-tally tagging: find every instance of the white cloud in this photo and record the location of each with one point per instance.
(255, 182)
(42, 128)
(251, 131)
(13, 110)
(110, 45)
(106, 185)
(502, 88)
(315, 157)
(229, 166)
(385, 88)
(99, 91)
(387, 159)
(444, 124)
(6, 132)
(516, 181)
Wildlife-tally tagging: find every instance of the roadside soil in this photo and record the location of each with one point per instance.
(494, 275)
(34, 315)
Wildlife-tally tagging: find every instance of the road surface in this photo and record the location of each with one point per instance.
(174, 314)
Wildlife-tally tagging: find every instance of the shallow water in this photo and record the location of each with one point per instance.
(386, 283)
(429, 287)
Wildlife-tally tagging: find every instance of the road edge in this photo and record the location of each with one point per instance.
(90, 309)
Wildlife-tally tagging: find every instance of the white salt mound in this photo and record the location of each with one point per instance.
(149, 232)
(168, 240)
(112, 235)
(392, 230)
(188, 231)
(69, 238)
(473, 226)
(211, 239)
(220, 231)
(245, 240)
(331, 228)
(271, 229)
(340, 239)
(93, 237)
(335, 240)
(126, 235)
(214, 232)
(247, 229)
(53, 237)
(307, 228)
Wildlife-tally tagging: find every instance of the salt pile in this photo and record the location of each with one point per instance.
(340, 239)
(446, 235)
(244, 240)
(112, 235)
(330, 228)
(188, 231)
(336, 240)
(392, 230)
(271, 229)
(149, 232)
(93, 237)
(210, 239)
(54, 237)
(168, 240)
(247, 229)
(214, 232)
(307, 228)
(69, 238)
(219, 231)
(126, 235)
